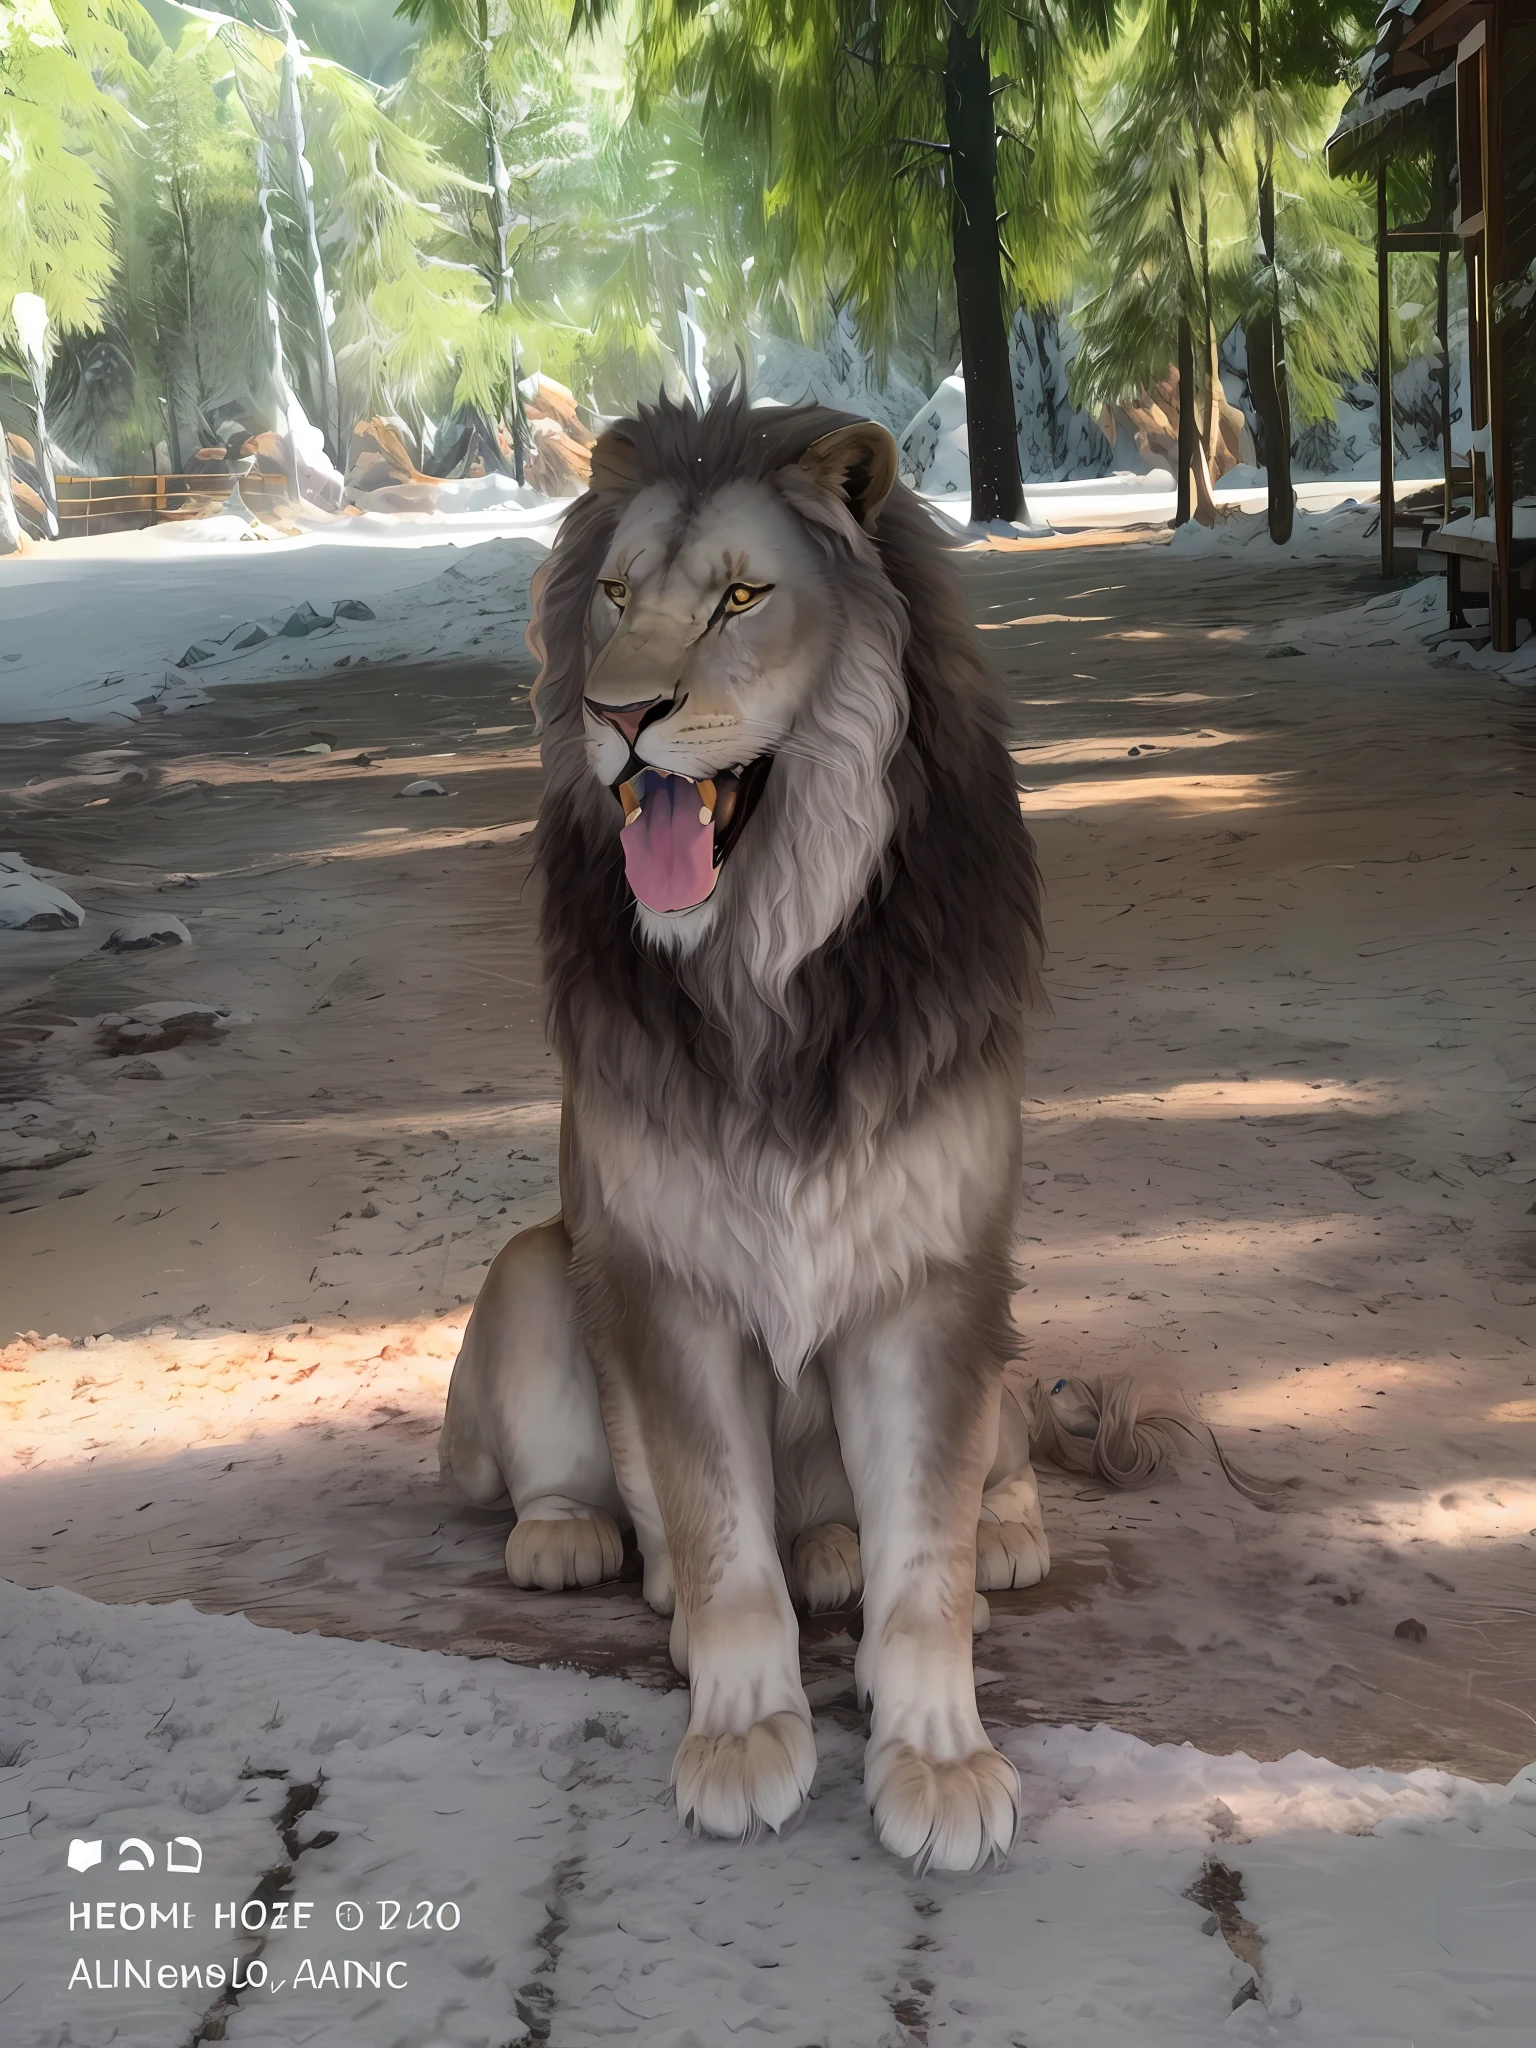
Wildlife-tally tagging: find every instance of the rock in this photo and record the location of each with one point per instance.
(156, 1027)
(1411, 1631)
(140, 1070)
(29, 904)
(139, 934)
(423, 786)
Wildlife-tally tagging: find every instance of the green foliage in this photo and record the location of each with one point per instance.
(1183, 124)
(848, 99)
(66, 67)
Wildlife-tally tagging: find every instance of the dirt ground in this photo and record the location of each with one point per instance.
(1280, 1146)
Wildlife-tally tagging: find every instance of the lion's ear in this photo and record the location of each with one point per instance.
(615, 465)
(856, 463)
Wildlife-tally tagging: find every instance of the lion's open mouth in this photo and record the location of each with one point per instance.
(678, 831)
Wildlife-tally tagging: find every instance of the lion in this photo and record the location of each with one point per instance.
(790, 926)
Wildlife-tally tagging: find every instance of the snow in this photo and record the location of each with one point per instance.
(152, 928)
(1348, 528)
(1387, 1906)
(1523, 523)
(30, 903)
(156, 594)
(1410, 624)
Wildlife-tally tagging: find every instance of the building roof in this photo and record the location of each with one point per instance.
(1406, 79)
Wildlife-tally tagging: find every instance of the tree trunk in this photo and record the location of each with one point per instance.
(495, 167)
(997, 490)
(1205, 451)
(1266, 343)
(1186, 419)
(49, 488)
(1210, 425)
(291, 123)
(10, 525)
(1443, 331)
(277, 368)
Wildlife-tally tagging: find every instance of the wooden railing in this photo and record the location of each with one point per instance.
(117, 504)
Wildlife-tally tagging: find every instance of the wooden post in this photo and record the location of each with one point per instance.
(1501, 602)
(1384, 371)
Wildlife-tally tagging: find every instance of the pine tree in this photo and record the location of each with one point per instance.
(60, 61)
(898, 127)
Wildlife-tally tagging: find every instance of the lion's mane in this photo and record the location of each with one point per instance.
(926, 977)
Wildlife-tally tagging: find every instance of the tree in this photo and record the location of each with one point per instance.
(1166, 224)
(60, 61)
(501, 51)
(896, 126)
(1214, 210)
(1296, 51)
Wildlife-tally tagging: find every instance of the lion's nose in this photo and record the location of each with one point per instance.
(626, 718)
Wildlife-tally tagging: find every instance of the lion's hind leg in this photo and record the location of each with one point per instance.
(1011, 1546)
(523, 1420)
(826, 1574)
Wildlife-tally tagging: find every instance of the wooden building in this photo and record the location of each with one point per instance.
(1452, 84)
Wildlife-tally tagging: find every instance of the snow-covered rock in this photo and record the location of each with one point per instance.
(28, 903)
(1056, 438)
(151, 928)
(1349, 529)
(840, 374)
(935, 452)
(155, 1027)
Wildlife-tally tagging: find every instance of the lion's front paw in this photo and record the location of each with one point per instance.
(736, 1785)
(557, 1546)
(1009, 1554)
(945, 1815)
(826, 1572)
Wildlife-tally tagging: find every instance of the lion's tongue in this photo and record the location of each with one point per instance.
(669, 856)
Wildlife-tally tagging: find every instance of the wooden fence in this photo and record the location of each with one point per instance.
(117, 504)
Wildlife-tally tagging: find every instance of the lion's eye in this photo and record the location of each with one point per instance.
(617, 590)
(742, 596)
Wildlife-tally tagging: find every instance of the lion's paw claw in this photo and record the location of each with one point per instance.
(737, 1785)
(554, 1552)
(943, 1815)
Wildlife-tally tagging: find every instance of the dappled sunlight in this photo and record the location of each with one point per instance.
(310, 771)
(1117, 746)
(488, 1120)
(397, 839)
(1465, 1514)
(119, 1402)
(1188, 793)
(1129, 1790)
(1045, 619)
(1237, 1096)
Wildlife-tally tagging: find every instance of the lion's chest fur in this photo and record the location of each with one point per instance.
(797, 1248)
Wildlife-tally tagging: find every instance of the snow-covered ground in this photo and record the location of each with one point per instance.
(90, 629)
(1411, 623)
(542, 1888)
(96, 629)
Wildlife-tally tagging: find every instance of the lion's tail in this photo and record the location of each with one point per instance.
(1126, 1432)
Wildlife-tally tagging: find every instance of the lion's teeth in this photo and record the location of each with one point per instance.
(630, 802)
(705, 814)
